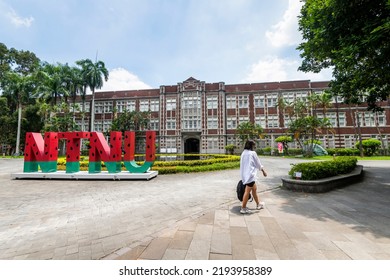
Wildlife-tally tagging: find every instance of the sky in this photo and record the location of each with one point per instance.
(148, 43)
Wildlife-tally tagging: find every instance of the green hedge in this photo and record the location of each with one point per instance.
(343, 151)
(208, 162)
(324, 169)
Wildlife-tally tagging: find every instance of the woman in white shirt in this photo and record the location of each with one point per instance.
(249, 164)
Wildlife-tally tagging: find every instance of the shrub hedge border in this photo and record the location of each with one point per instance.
(212, 162)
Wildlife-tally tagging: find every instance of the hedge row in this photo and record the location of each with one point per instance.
(324, 169)
(208, 162)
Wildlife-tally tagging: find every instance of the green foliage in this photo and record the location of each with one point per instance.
(211, 162)
(312, 141)
(248, 130)
(370, 146)
(324, 169)
(343, 152)
(352, 38)
(133, 120)
(230, 148)
(284, 139)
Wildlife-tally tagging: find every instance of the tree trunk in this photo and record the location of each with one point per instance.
(92, 110)
(19, 129)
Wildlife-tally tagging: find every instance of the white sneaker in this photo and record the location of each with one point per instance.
(260, 206)
(245, 211)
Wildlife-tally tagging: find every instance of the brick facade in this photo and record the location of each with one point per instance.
(194, 116)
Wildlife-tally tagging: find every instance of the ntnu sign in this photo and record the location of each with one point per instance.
(43, 151)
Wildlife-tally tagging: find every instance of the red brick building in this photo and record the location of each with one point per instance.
(195, 116)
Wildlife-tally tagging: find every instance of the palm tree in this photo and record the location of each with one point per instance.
(53, 85)
(93, 74)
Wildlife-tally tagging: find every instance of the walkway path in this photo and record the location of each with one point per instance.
(192, 216)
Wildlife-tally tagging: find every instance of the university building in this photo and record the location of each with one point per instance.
(198, 117)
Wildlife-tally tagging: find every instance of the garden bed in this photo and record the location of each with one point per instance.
(325, 184)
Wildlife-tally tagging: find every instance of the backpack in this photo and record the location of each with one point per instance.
(241, 190)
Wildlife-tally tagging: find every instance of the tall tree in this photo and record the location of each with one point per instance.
(18, 87)
(352, 37)
(248, 130)
(53, 82)
(93, 75)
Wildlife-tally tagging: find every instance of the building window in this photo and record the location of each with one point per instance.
(212, 143)
(154, 124)
(288, 97)
(259, 101)
(212, 102)
(99, 107)
(154, 105)
(170, 144)
(191, 111)
(171, 104)
(243, 101)
(260, 120)
(108, 107)
(272, 99)
(212, 122)
(125, 106)
(231, 123)
(370, 119)
(231, 102)
(273, 120)
(144, 105)
(342, 121)
(171, 124)
(301, 95)
(243, 119)
(87, 107)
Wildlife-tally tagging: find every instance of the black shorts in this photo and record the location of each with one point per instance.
(250, 184)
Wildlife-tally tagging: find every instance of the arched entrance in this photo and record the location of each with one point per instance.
(191, 146)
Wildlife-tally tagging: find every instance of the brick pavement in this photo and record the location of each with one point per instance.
(178, 217)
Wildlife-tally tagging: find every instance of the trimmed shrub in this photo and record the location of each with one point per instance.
(210, 162)
(370, 146)
(343, 151)
(324, 169)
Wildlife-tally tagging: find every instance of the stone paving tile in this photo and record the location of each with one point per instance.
(181, 240)
(308, 251)
(199, 250)
(214, 256)
(156, 249)
(243, 252)
(221, 242)
(131, 254)
(174, 254)
(203, 232)
(335, 255)
(353, 250)
(88, 222)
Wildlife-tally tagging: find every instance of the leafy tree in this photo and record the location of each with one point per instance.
(19, 89)
(352, 37)
(370, 146)
(133, 120)
(93, 74)
(284, 139)
(248, 130)
(52, 83)
(5, 119)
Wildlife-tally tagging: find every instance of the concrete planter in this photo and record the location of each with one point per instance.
(324, 185)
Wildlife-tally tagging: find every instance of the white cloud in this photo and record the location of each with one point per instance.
(19, 21)
(285, 32)
(121, 79)
(274, 69)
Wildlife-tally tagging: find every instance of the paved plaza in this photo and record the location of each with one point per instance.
(192, 216)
